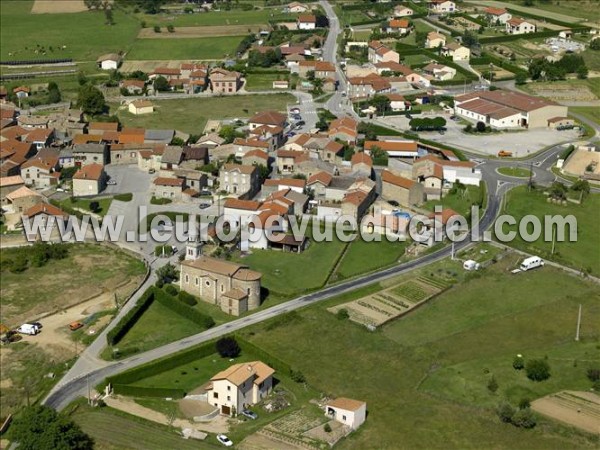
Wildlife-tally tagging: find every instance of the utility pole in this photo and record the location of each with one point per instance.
(578, 324)
(530, 182)
(553, 240)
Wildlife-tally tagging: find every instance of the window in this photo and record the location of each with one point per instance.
(344, 418)
(222, 288)
(187, 278)
(228, 398)
(197, 281)
(215, 395)
(207, 282)
(228, 388)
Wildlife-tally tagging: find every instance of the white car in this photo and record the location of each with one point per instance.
(111, 182)
(224, 440)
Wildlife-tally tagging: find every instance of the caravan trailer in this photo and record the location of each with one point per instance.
(531, 263)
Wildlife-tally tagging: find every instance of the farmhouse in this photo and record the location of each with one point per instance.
(45, 212)
(225, 81)
(507, 109)
(22, 199)
(110, 61)
(89, 180)
(398, 102)
(8, 185)
(400, 26)
(406, 192)
(497, 16)
(269, 118)
(133, 87)
(240, 386)
(138, 107)
(519, 26)
(233, 287)
(306, 22)
(352, 413)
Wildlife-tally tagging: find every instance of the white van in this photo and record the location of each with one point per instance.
(531, 263)
(471, 265)
(29, 329)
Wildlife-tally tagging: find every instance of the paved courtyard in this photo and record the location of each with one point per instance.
(521, 143)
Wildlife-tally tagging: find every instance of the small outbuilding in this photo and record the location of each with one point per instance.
(139, 107)
(110, 61)
(352, 413)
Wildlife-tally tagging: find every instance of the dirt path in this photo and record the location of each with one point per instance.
(218, 425)
(580, 409)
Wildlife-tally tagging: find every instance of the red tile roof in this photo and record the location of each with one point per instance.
(89, 172)
(389, 177)
(164, 181)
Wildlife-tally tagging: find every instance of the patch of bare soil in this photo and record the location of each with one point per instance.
(199, 32)
(259, 441)
(193, 408)
(579, 409)
(58, 6)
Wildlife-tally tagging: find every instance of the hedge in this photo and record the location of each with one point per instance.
(186, 298)
(164, 364)
(128, 320)
(123, 197)
(517, 13)
(179, 307)
(516, 37)
(140, 391)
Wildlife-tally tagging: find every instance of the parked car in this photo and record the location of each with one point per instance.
(204, 205)
(111, 182)
(37, 324)
(224, 440)
(249, 414)
(295, 111)
(29, 329)
(301, 123)
(151, 171)
(504, 154)
(75, 326)
(59, 189)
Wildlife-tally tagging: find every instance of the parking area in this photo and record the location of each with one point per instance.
(129, 179)
(520, 143)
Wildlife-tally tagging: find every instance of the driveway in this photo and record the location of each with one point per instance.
(129, 179)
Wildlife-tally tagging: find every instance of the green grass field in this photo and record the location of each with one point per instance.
(233, 17)
(197, 48)
(460, 201)
(84, 34)
(84, 204)
(486, 318)
(158, 325)
(263, 81)
(363, 257)
(589, 112)
(290, 274)
(518, 172)
(190, 115)
(582, 254)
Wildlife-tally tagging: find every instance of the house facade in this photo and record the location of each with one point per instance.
(239, 180)
(89, 180)
(240, 386)
(352, 413)
(224, 81)
(516, 25)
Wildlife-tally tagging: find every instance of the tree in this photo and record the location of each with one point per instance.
(228, 347)
(321, 20)
(518, 362)
(42, 428)
(593, 374)
(177, 141)
(520, 78)
(537, 369)
(558, 190)
(582, 72)
(92, 4)
(470, 39)
(327, 428)
(342, 314)
(263, 172)
(381, 103)
(310, 75)
(170, 28)
(524, 403)
(480, 127)
(528, 2)
(156, 29)
(229, 133)
(161, 84)
(108, 15)
(91, 100)
(420, 38)
(581, 186)
(167, 273)
(380, 157)
(595, 44)
(53, 93)
(348, 152)
(94, 206)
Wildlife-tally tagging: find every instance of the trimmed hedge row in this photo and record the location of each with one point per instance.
(516, 37)
(164, 364)
(140, 391)
(486, 58)
(178, 306)
(128, 320)
(517, 13)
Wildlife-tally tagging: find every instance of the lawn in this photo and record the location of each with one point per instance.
(589, 112)
(592, 61)
(518, 172)
(84, 204)
(51, 287)
(233, 17)
(582, 254)
(460, 201)
(114, 429)
(263, 81)
(84, 35)
(363, 257)
(198, 48)
(158, 325)
(486, 318)
(291, 274)
(190, 115)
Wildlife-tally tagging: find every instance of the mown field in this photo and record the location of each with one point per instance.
(196, 48)
(85, 35)
(216, 18)
(190, 115)
(582, 254)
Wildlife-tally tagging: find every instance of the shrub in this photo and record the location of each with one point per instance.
(171, 290)
(524, 418)
(186, 298)
(518, 363)
(123, 197)
(480, 127)
(156, 29)
(593, 374)
(342, 314)
(228, 347)
(160, 201)
(327, 428)
(537, 370)
(203, 320)
(94, 206)
(297, 376)
(505, 412)
(492, 385)
(170, 28)
(524, 403)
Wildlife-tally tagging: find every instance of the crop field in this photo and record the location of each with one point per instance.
(87, 38)
(573, 90)
(199, 32)
(580, 409)
(381, 307)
